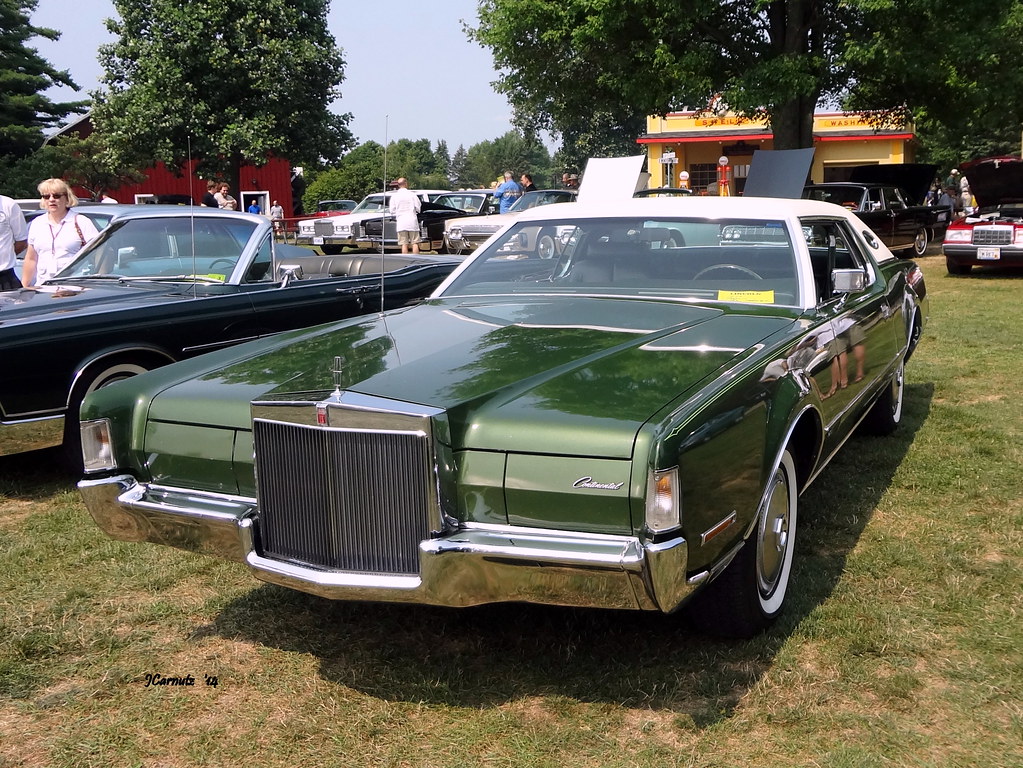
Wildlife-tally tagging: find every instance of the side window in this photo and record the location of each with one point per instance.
(895, 201)
(259, 270)
(832, 246)
(874, 198)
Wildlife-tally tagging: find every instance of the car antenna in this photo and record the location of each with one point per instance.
(191, 215)
(383, 218)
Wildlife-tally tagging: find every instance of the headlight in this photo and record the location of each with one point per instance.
(663, 511)
(343, 229)
(455, 232)
(97, 453)
(958, 235)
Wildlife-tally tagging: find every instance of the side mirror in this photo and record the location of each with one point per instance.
(848, 280)
(288, 272)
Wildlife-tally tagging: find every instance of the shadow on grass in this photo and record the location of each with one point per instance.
(26, 476)
(485, 656)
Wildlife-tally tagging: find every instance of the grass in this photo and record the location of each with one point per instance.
(902, 646)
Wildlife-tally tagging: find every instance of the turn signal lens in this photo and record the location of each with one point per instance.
(97, 453)
(662, 501)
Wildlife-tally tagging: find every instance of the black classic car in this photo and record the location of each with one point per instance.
(432, 217)
(165, 283)
(887, 198)
(993, 233)
(628, 424)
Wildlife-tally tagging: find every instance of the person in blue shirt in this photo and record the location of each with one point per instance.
(508, 192)
(254, 207)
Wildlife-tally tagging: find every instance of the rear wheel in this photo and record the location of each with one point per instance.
(920, 242)
(955, 268)
(751, 593)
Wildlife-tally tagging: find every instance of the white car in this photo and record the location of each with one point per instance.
(332, 233)
(470, 233)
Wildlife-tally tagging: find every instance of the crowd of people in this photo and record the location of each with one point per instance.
(954, 193)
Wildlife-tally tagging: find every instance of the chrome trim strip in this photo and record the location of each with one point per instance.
(470, 565)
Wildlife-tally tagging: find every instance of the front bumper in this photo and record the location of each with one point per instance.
(980, 255)
(463, 567)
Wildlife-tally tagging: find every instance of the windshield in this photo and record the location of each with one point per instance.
(847, 197)
(207, 247)
(541, 197)
(737, 260)
(371, 204)
(463, 201)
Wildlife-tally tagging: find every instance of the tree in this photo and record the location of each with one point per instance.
(231, 82)
(356, 175)
(458, 173)
(575, 62)
(25, 112)
(964, 87)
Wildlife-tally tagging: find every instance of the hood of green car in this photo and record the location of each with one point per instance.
(586, 369)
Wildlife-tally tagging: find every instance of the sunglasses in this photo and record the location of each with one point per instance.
(53, 196)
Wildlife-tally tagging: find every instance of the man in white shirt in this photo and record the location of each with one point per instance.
(404, 207)
(13, 240)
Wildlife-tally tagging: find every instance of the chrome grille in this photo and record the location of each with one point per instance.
(345, 500)
(323, 228)
(997, 235)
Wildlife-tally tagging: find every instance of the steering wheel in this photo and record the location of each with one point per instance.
(230, 264)
(713, 267)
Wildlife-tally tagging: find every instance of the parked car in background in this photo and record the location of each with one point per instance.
(329, 207)
(383, 230)
(889, 198)
(896, 222)
(993, 233)
(334, 233)
(165, 283)
(628, 425)
(466, 235)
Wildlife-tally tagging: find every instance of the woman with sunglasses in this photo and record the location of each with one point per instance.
(55, 239)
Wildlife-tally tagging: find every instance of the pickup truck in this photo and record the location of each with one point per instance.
(885, 198)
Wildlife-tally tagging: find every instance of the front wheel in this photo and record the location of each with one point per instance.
(884, 416)
(751, 593)
(955, 268)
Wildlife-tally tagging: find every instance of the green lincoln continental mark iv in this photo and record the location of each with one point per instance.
(626, 424)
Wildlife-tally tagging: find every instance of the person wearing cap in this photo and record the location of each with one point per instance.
(404, 206)
(952, 180)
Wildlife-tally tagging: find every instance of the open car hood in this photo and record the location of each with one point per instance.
(914, 178)
(995, 180)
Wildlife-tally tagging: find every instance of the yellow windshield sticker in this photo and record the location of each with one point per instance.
(748, 297)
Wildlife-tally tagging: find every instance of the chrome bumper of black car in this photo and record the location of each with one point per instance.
(472, 565)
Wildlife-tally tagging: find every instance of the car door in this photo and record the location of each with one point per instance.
(859, 340)
(279, 307)
(904, 226)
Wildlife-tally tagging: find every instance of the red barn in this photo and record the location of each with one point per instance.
(263, 185)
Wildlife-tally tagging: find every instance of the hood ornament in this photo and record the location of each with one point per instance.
(336, 372)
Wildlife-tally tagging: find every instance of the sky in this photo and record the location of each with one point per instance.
(450, 77)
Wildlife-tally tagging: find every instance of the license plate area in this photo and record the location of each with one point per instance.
(989, 254)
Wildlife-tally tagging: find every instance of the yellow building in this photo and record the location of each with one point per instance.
(691, 143)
